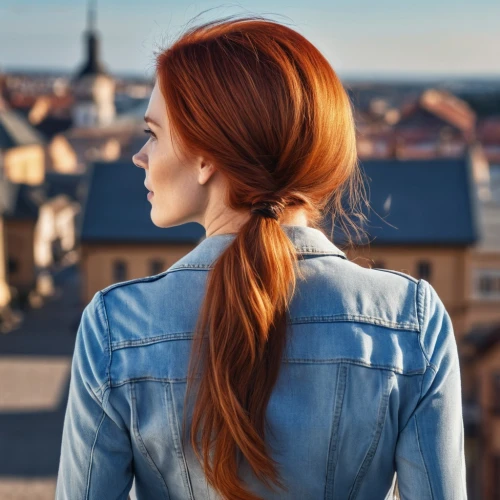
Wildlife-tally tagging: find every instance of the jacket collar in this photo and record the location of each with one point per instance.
(306, 240)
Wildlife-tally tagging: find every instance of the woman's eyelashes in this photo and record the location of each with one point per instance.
(150, 132)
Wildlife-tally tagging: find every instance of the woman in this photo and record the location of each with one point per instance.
(263, 364)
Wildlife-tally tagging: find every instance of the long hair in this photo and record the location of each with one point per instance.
(263, 104)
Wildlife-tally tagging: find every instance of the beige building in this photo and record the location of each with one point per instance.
(19, 218)
(22, 149)
(38, 226)
(105, 263)
(55, 231)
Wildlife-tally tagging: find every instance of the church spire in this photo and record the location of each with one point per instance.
(93, 64)
(94, 87)
(92, 15)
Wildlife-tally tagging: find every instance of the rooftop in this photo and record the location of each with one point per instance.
(420, 202)
(16, 131)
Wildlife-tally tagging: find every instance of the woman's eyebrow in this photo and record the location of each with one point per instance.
(148, 119)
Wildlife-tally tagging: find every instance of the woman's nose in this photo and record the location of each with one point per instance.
(138, 160)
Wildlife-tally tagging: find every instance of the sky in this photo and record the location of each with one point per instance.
(358, 37)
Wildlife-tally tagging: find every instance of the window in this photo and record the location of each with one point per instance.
(119, 270)
(495, 393)
(13, 266)
(156, 266)
(424, 270)
(487, 284)
(496, 476)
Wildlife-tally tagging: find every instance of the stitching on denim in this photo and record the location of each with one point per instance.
(193, 266)
(89, 473)
(142, 446)
(421, 382)
(422, 296)
(109, 348)
(174, 380)
(332, 449)
(381, 417)
(168, 391)
(155, 277)
(106, 404)
(417, 304)
(421, 454)
(100, 392)
(354, 362)
(400, 325)
(399, 273)
(395, 369)
(149, 379)
(294, 321)
(151, 340)
(302, 251)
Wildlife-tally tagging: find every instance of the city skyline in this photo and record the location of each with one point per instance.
(449, 39)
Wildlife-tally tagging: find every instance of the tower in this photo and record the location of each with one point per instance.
(93, 87)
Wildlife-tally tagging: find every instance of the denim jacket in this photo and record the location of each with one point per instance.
(369, 388)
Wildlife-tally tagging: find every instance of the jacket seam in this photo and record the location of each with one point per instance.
(209, 267)
(421, 312)
(422, 456)
(332, 457)
(398, 273)
(89, 472)
(419, 397)
(381, 418)
(300, 251)
(108, 347)
(351, 318)
(133, 380)
(361, 318)
(353, 362)
(155, 277)
(142, 446)
(289, 360)
(177, 439)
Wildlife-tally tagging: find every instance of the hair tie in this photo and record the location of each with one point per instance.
(272, 209)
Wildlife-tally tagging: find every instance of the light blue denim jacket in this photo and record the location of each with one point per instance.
(370, 386)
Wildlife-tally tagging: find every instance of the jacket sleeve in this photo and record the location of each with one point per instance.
(96, 454)
(430, 460)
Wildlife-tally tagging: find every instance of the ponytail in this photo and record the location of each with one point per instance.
(258, 100)
(250, 288)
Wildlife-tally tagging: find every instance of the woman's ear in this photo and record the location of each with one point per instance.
(205, 171)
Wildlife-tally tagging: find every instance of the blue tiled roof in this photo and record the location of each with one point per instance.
(412, 202)
(116, 209)
(420, 202)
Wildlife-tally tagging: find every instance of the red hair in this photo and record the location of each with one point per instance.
(263, 104)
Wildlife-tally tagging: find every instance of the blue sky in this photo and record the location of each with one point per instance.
(440, 37)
